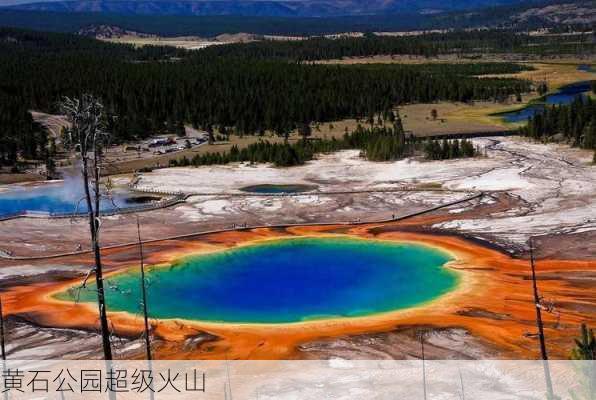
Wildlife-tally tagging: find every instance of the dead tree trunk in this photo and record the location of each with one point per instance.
(94, 229)
(144, 294)
(2, 342)
(2, 345)
(85, 115)
(461, 385)
(423, 363)
(145, 312)
(537, 303)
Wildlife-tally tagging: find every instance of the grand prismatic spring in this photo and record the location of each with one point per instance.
(288, 280)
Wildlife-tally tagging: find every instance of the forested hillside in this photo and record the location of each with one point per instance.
(17, 43)
(153, 90)
(575, 123)
(207, 26)
(19, 134)
(431, 44)
(386, 143)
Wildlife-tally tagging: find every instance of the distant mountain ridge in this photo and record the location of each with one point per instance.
(262, 8)
(552, 14)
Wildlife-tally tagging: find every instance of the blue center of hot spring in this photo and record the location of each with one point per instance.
(288, 280)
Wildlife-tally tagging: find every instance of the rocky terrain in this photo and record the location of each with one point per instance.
(580, 12)
(110, 32)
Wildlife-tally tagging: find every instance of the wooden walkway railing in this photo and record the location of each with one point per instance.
(6, 255)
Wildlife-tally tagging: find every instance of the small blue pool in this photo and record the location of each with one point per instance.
(278, 189)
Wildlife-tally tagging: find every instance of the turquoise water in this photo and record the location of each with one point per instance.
(57, 197)
(287, 281)
(565, 95)
(278, 189)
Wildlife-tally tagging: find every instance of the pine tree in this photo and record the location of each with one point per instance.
(304, 130)
(585, 346)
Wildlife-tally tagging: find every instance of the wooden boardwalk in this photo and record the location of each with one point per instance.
(7, 255)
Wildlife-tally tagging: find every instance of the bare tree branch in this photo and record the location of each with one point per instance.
(86, 133)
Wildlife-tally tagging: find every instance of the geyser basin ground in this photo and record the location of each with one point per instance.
(288, 280)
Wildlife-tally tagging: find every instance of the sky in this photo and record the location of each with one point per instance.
(13, 2)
